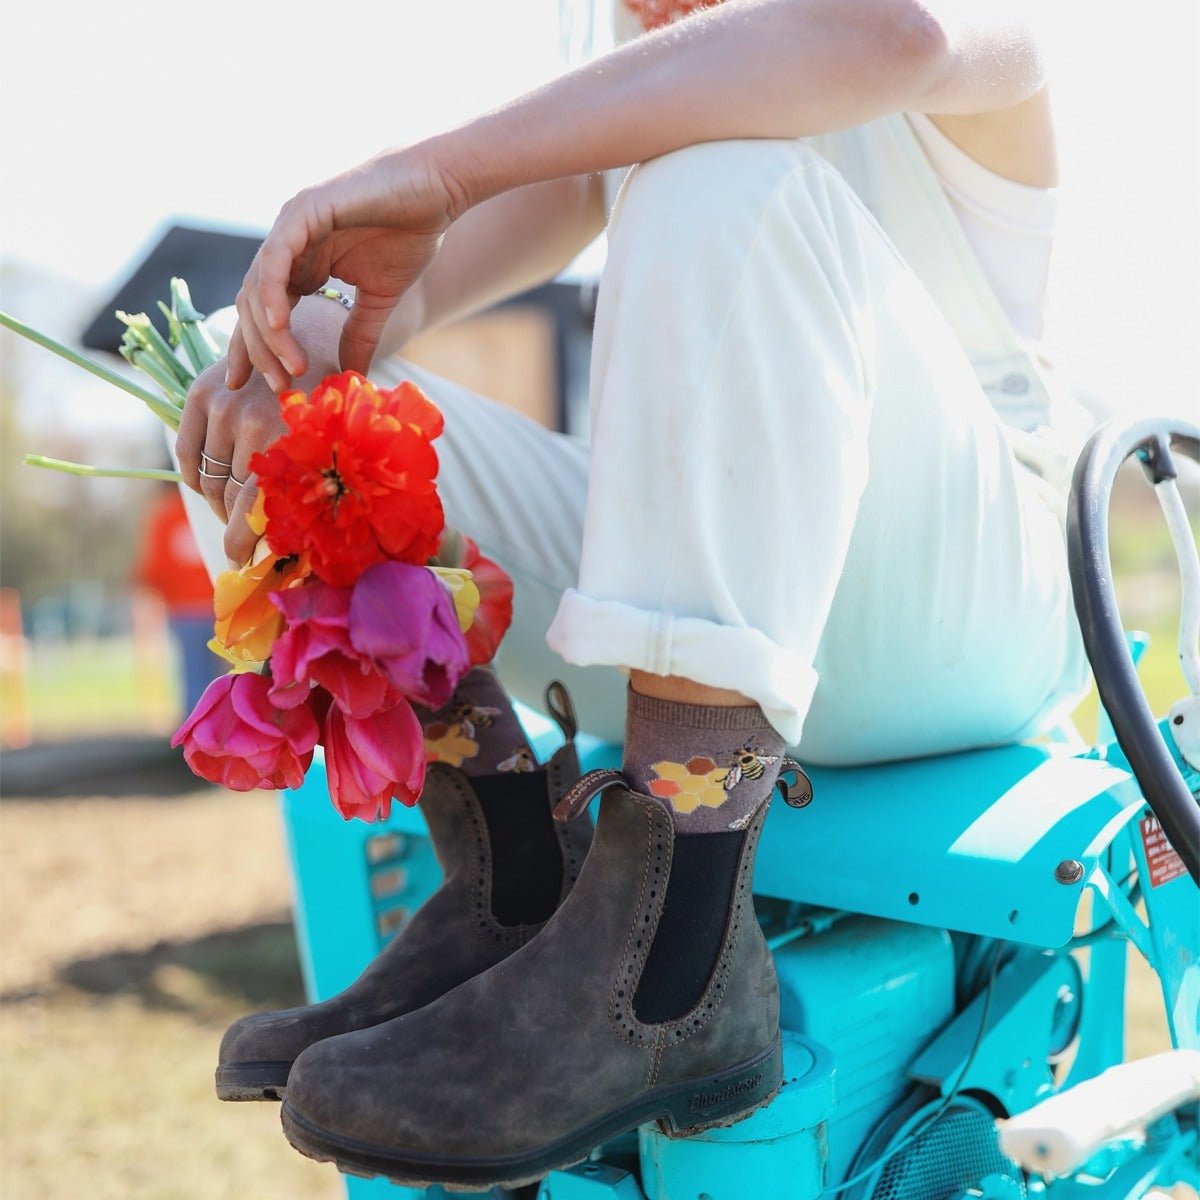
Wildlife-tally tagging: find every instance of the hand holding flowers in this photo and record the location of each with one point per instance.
(338, 594)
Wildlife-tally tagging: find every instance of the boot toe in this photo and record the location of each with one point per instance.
(265, 1037)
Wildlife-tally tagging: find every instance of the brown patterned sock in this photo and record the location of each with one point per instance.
(478, 730)
(710, 766)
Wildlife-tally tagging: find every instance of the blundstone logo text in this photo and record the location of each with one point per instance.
(703, 1100)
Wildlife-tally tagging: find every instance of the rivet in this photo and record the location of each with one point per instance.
(1070, 870)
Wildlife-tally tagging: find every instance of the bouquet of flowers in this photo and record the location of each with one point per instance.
(358, 602)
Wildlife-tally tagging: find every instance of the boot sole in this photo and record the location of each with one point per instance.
(252, 1080)
(681, 1110)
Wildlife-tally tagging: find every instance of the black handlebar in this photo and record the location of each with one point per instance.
(1153, 441)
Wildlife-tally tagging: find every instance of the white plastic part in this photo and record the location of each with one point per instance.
(1184, 719)
(1063, 1132)
(1171, 501)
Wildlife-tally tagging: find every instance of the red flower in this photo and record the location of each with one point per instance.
(372, 760)
(494, 614)
(352, 481)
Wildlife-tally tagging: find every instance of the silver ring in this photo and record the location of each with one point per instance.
(209, 475)
(216, 462)
(234, 479)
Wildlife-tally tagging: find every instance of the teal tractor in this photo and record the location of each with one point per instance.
(952, 958)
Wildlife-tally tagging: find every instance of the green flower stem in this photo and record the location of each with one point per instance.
(193, 334)
(141, 334)
(148, 364)
(166, 412)
(70, 468)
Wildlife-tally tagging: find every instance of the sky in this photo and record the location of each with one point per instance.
(118, 121)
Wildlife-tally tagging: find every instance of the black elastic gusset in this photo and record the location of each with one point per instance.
(688, 939)
(527, 870)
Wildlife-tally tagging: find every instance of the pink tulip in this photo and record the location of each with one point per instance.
(318, 647)
(370, 761)
(403, 617)
(237, 738)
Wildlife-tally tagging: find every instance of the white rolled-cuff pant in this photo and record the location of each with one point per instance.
(795, 486)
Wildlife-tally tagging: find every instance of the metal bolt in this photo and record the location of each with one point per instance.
(1070, 870)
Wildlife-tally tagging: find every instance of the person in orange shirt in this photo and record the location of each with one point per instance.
(170, 565)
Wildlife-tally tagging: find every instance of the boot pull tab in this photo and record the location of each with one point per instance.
(562, 708)
(799, 792)
(584, 790)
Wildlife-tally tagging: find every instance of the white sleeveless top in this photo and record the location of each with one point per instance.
(1009, 225)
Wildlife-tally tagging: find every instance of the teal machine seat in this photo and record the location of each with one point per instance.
(998, 842)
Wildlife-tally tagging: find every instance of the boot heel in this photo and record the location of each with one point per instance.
(726, 1098)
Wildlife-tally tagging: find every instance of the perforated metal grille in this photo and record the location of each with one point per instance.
(955, 1153)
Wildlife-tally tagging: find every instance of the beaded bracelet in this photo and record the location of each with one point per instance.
(331, 293)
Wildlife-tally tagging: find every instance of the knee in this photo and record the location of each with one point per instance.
(715, 193)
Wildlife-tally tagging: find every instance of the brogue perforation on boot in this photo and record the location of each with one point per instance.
(453, 936)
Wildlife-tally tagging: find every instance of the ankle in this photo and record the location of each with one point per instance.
(710, 766)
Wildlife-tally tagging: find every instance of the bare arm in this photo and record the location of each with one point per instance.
(504, 246)
(749, 68)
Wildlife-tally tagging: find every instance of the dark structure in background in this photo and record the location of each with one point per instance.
(214, 263)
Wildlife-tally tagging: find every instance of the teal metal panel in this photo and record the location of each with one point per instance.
(1012, 1059)
(873, 993)
(967, 842)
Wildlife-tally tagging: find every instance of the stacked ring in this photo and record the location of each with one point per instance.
(207, 460)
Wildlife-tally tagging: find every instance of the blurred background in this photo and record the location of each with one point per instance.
(139, 911)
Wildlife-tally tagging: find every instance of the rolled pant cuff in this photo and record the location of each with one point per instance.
(589, 632)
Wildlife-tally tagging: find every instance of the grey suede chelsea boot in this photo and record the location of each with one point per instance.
(466, 926)
(527, 1067)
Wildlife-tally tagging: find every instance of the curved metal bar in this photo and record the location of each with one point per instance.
(1096, 606)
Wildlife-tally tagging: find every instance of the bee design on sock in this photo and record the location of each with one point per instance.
(521, 760)
(746, 763)
(471, 716)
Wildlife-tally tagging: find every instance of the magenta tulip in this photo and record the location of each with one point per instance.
(372, 760)
(403, 617)
(317, 647)
(236, 737)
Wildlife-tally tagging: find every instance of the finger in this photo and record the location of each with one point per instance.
(281, 344)
(240, 539)
(298, 228)
(193, 424)
(214, 472)
(238, 367)
(282, 273)
(260, 355)
(252, 438)
(362, 331)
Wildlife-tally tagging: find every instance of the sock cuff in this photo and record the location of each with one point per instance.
(744, 718)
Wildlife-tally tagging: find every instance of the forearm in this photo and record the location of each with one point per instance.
(502, 247)
(749, 68)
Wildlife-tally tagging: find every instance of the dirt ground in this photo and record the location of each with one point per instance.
(134, 929)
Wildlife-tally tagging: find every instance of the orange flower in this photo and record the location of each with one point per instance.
(352, 481)
(493, 615)
(247, 623)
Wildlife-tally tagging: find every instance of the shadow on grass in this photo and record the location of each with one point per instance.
(114, 766)
(239, 970)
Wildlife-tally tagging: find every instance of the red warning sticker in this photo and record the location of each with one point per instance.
(1161, 860)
